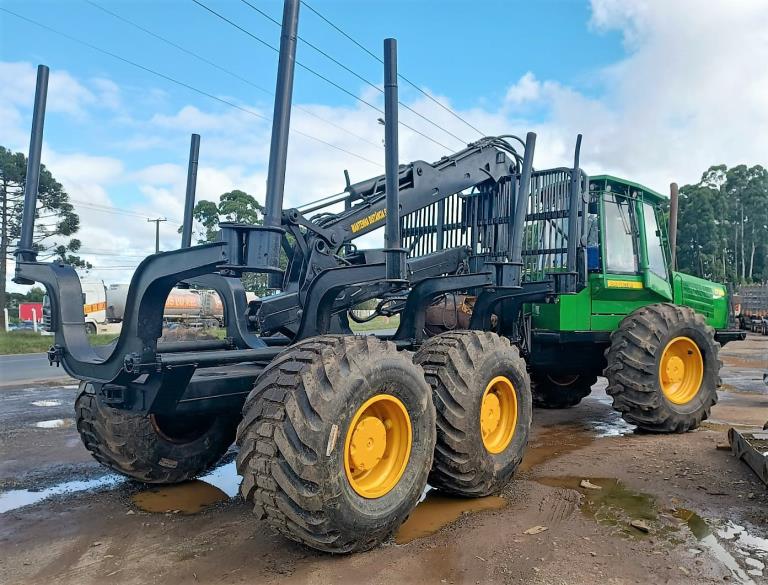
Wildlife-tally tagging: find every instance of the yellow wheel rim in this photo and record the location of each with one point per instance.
(378, 446)
(498, 414)
(681, 370)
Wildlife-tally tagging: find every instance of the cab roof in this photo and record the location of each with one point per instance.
(617, 184)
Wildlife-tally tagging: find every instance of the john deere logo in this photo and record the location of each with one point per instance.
(375, 217)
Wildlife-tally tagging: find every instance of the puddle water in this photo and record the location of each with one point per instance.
(56, 423)
(616, 505)
(46, 403)
(223, 479)
(554, 441)
(193, 496)
(436, 511)
(15, 499)
(613, 504)
(189, 497)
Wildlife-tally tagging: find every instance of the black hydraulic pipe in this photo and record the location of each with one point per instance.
(207, 359)
(189, 199)
(573, 209)
(521, 205)
(25, 252)
(395, 255)
(281, 119)
(202, 345)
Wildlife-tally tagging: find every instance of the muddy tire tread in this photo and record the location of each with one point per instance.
(454, 357)
(126, 443)
(632, 371)
(276, 459)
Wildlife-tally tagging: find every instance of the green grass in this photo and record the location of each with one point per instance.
(29, 342)
(15, 342)
(376, 324)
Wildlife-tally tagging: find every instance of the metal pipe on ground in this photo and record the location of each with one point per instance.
(673, 201)
(189, 199)
(395, 255)
(25, 252)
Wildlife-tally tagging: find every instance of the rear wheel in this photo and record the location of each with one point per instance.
(663, 368)
(482, 397)
(90, 329)
(152, 448)
(560, 391)
(336, 442)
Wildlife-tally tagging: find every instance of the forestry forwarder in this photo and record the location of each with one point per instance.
(495, 269)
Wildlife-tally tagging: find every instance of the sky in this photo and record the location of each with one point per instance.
(660, 90)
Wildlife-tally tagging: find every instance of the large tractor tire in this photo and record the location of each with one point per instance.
(482, 395)
(560, 391)
(663, 368)
(152, 449)
(336, 442)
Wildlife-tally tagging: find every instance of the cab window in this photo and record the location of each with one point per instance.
(619, 235)
(656, 260)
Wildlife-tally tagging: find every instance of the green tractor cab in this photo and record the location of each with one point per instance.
(653, 331)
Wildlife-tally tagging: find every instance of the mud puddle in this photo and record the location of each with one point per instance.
(14, 499)
(191, 497)
(56, 423)
(561, 439)
(437, 511)
(224, 480)
(619, 507)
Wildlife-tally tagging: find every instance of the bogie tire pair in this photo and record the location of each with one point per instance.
(560, 391)
(294, 434)
(151, 449)
(635, 367)
(460, 366)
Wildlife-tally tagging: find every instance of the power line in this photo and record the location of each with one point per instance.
(180, 83)
(313, 72)
(352, 72)
(400, 75)
(222, 69)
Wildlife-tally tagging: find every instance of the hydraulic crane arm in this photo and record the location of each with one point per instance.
(420, 183)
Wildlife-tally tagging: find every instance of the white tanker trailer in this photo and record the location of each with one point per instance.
(105, 304)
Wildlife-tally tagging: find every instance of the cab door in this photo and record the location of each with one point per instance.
(618, 289)
(653, 260)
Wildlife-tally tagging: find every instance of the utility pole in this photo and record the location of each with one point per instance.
(157, 231)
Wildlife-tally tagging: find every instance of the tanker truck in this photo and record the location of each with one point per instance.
(104, 305)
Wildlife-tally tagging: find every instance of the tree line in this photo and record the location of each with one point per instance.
(723, 225)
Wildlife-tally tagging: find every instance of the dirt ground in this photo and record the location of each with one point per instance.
(63, 520)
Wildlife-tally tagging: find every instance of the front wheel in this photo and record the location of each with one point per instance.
(336, 442)
(482, 396)
(663, 368)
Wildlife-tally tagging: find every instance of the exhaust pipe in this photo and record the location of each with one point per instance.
(25, 252)
(395, 255)
(189, 199)
(673, 199)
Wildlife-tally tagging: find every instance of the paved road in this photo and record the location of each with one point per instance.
(20, 369)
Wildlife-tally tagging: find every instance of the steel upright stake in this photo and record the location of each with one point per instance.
(189, 200)
(25, 251)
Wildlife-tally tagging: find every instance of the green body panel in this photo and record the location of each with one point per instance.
(703, 296)
(609, 298)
